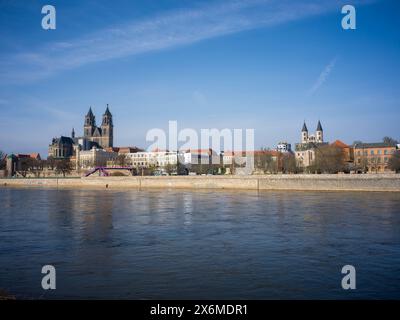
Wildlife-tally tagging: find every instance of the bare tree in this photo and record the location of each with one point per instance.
(121, 160)
(64, 166)
(390, 140)
(289, 164)
(329, 159)
(394, 161)
(2, 160)
(35, 166)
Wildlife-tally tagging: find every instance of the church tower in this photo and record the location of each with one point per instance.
(90, 124)
(304, 133)
(319, 133)
(107, 128)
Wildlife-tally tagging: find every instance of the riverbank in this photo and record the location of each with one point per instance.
(371, 182)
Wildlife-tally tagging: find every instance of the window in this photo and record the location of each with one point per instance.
(372, 152)
(379, 151)
(385, 152)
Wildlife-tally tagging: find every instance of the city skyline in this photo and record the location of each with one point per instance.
(239, 65)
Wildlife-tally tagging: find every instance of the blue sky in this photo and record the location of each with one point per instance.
(262, 64)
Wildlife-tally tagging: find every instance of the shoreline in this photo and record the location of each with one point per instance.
(300, 182)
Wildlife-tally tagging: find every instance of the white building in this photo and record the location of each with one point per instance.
(157, 158)
(94, 157)
(284, 147)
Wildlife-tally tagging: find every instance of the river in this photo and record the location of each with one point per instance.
(178, 244)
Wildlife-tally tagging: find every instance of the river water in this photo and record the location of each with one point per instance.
(177, 244)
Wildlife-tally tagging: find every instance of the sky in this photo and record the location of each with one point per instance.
(266, 65)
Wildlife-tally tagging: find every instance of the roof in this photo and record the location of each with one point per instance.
(124, 149)
(253, 152)
(339, 144)
(63, 140)
(90, 112)
(374, 145)
(107, 112)
(319, 127)
(304, 128)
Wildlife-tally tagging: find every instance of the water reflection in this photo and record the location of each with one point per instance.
(199, 244)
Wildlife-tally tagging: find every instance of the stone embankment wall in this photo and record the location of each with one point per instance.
(366, 182)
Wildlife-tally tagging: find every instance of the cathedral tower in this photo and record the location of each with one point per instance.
(107, 128)
(319, 133)
(304, 134)
(90, 124)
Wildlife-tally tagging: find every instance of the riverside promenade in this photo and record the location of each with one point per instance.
(321, 182)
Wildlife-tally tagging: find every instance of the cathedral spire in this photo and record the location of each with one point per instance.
(319, 127)
(107, 112)
(73, 133)
(304, 127)
(90, 112)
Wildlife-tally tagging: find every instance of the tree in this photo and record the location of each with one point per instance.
(390, 140)
(121, 160)
(51, 163)
(2, 160)
(35, 166)
(64, 166)
(394, 161)
(329, 159)
(170, 168)
(289, 164)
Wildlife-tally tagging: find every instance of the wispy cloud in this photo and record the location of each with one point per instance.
(322, 77)
(171, 29)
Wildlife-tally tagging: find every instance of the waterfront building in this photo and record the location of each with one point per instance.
(156, 158)
(61, 148)
(93, 137)
(305, 151)
(95, 157)
(103, 135)
(199, 156)
(348, 151)
(373, 157)
(284, 147)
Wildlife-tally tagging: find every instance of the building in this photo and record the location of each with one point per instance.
(157, 158)
(17, 163)
(373, 157)
(61, 148)
(93, 137)
(348, 151)
(284, 147)
(103, 135)
(124, 150)
(305, 151)
(264, 160)
(95, 157)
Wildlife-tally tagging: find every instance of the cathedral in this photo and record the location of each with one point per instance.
(93, 136)
(305, 151)
(102, 135)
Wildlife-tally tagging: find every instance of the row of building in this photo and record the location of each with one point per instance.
(96, 148)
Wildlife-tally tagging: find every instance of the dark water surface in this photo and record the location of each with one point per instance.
(199, 244)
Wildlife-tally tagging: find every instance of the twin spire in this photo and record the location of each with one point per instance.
(319, 127)
(90, 118)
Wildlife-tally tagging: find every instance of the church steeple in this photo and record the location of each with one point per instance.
(304, 127)
(73, 133)
(304, 133)
(319, 127)
(107, 117)
(90, 119)
(319, 133)
(107, 127)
